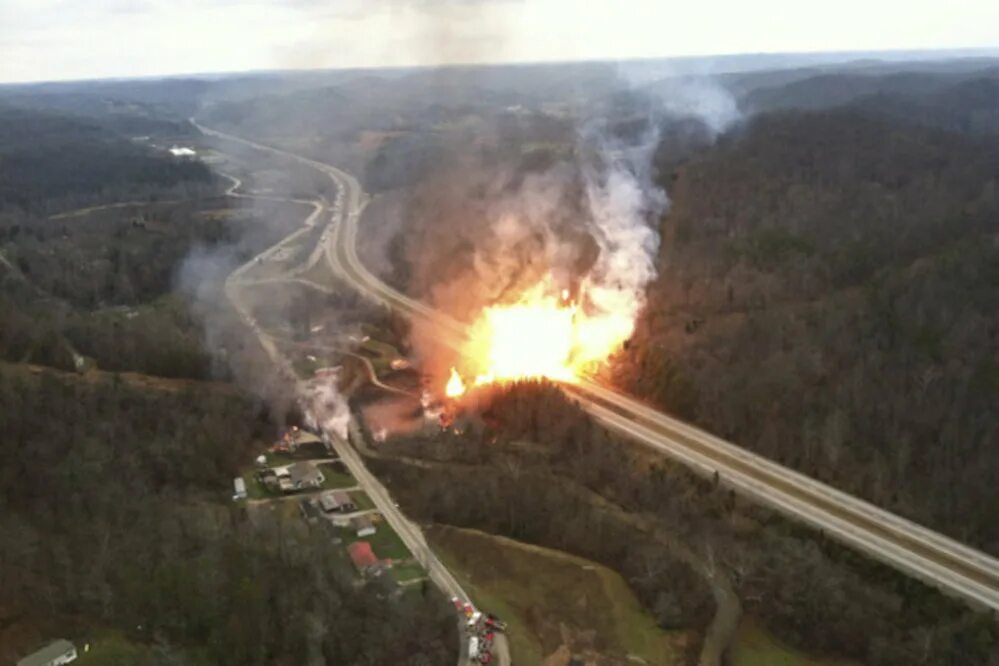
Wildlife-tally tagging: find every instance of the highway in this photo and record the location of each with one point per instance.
(407, 530)
(952, 567)
(929, 556)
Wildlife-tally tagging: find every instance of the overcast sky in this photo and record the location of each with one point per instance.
(71, 39)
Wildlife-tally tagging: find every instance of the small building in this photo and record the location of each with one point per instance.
(55, 653)
(239, 489)
(337, 501)
(344, 500)
(328, 503)
(182, 151)
(303, 475)
(363, 526)
(362, 556)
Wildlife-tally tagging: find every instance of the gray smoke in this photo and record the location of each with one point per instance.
(588, 221)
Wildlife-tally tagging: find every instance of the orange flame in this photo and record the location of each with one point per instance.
(543, 335)
(455, 386)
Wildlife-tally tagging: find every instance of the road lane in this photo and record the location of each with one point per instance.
(408, 531)
(911, 548)
(916, 550)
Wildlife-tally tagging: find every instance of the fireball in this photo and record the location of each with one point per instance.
(545, 335)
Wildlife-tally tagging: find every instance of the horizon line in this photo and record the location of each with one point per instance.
(985, 52)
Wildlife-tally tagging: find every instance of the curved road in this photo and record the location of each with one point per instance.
(408, 531)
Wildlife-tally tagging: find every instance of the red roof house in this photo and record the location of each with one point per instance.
(362, 556)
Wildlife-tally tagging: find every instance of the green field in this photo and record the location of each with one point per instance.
(255, 489)
(333, 480)
(361, 500)
(408, 571)
(546, 595)
(385, 542)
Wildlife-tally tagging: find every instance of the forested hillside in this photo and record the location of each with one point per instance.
(828, 296)
(115, 497)
(537, 468)
(119, 443)
(50, 160)
(960, 101)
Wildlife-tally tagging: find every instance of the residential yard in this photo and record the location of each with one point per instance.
(754, 646)
(336, 476)
(361, 500)
(255, 489)
(306, 451)
(384, 542)
(408, 571)
(552, 600)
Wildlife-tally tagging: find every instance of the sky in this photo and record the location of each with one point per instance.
(75, 39)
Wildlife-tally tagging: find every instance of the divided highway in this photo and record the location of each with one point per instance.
(913, 549)
(407, 530)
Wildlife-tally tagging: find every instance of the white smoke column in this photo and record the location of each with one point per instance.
(626, 205)
(702, 99)
(324, 406)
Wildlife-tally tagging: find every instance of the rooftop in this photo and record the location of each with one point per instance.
(53, 650)
(361, 522)
(305, 473)
(361, 555)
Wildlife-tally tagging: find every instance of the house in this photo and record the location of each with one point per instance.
(239, 488)
(55, 653)
(362, 556)
(337, 501)
(344, 500)
(363, 526)
(328, 503)
(303, 475)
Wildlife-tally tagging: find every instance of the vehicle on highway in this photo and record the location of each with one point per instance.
(478, 653)
(472, 626)
(494, 623)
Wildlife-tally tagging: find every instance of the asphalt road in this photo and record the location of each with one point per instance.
(913, 549)
(407, 530)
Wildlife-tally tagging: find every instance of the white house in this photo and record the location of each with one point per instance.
(55, 653)
(363, 526)
(239, 488)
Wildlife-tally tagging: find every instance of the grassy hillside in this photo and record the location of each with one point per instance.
(540, 471)
(552, 600)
